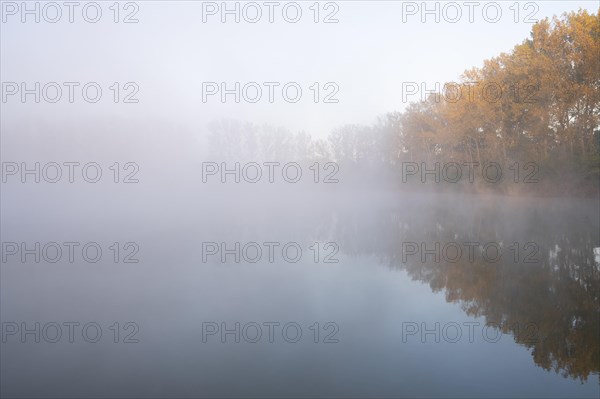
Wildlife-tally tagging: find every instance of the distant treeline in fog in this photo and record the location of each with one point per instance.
(539, 103)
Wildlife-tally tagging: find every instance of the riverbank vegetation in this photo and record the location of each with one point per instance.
(535, 109)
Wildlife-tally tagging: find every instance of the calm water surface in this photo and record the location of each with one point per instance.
(377, 319)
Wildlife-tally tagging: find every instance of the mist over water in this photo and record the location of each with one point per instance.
(369, 293)
(174, 247)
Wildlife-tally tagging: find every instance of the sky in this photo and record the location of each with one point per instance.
(177, 52)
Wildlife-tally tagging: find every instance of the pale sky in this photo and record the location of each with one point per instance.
(170, 52)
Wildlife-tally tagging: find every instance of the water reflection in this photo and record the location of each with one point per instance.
(543, 287)
(171, 292)
(551, 279)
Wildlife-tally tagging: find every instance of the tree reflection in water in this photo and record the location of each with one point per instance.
(557, 289)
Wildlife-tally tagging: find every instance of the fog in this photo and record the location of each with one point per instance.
(168, 240)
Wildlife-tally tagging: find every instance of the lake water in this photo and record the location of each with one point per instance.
(510, 308)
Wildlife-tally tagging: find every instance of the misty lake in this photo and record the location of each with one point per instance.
(336, 199)
(507, 306)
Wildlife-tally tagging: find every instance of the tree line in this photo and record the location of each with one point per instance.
(538, 103)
